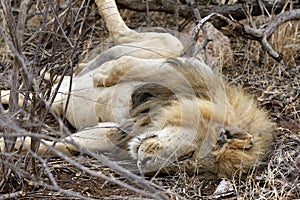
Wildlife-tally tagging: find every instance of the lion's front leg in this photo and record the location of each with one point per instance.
(90, 140)
(96, 139)
(128, 68)
(111, 72)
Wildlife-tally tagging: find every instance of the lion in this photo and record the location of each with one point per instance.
(144, 99)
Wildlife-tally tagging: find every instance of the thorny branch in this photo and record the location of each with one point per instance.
(260, 34)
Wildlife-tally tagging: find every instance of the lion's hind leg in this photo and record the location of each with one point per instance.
(114, 22)
(142, 45)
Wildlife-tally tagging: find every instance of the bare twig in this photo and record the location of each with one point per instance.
(37, 182)
(191, 49)
(260, 34)
(11, 195)
(14, 44)
(133, 178)
(22, 18)
(152, 192)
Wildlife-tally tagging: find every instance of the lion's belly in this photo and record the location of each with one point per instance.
(81, 107)
(90, 105)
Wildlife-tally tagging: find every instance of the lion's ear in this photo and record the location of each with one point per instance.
(150, 92)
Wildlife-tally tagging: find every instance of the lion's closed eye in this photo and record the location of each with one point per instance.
(239, 140)
(188, 155)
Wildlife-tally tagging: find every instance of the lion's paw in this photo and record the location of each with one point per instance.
(103, 80)
(107, 75)
(112, 72)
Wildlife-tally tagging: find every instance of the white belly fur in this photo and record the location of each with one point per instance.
(89, 105)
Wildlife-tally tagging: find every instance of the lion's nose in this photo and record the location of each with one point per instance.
(143, 164)
(145, 161)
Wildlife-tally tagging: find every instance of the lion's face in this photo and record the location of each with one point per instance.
(173, 146)
(176, 133)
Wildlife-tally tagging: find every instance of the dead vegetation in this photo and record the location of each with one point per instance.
(56, 36)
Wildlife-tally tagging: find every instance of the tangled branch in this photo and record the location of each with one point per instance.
(260, 34)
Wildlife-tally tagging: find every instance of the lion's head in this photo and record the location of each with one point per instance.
(214, 129)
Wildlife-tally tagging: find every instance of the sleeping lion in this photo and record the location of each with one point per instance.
(141, 98)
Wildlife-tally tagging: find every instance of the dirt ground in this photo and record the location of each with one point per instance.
(276, 87)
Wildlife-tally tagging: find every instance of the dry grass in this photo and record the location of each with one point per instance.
(61, 44)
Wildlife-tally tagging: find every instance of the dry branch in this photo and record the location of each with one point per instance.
(260, 34)
(11, 195)
(236, 11)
